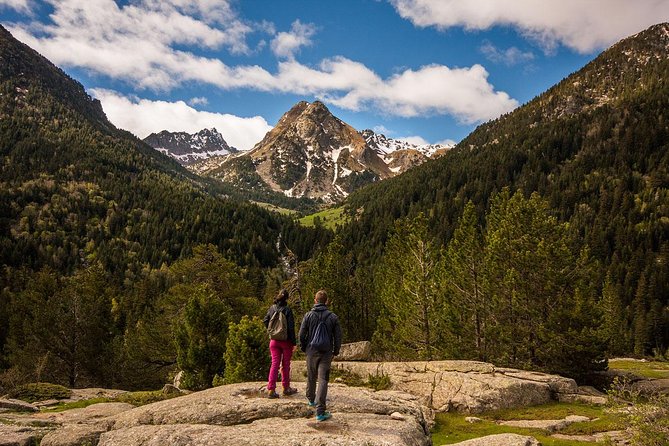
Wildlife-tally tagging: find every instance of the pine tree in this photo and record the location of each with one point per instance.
(466, 284)
(613, 325)
(247, 355)
(411, 290)
(200, 337)
(543, 293)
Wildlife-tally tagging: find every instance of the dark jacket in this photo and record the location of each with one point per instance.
(290, 319)
(310, 322)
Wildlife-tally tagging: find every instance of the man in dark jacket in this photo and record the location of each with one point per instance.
(318, 362)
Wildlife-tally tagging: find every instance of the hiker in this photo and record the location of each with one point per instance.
(280, 324)
(320, 339)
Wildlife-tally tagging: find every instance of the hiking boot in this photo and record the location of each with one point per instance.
(311, 403)
(289, 391)
(324, 416)
(272, 394)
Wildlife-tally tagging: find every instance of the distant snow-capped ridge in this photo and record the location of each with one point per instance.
(387, 145)
(190, 148)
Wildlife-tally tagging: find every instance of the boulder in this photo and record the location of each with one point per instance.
(170, 390)
(547, 425)
(500, 440)
(586, 394)
(99, 414)
(465, 386)
(74, 435)
(612, 437)
(355, 351)
(70, 427)
(11, 435)
(94, 392)
(17, 405)
(578, 398)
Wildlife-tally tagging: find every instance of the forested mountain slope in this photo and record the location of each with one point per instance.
(73, 186)
(596, 146)
(92, 224)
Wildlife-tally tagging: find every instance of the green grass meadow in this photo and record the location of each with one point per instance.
(452, 427)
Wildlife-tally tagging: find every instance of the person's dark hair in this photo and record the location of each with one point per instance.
(321, 297)
(281, 296)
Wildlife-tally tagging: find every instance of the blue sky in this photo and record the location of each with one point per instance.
(426, 70)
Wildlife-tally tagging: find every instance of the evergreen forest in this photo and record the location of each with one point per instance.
(540, 242)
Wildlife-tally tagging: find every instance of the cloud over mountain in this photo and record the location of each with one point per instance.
(161, 46)
(584, 26)
(142, 117)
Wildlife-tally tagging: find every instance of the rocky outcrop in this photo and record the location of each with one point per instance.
(546, 425)
(355, 351)
(357, 413)
(17, 405)
(70, 427)
(464, 386)
(238, 414)
(345, 429)
(501, 440)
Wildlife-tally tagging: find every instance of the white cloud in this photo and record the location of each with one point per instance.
(286, 44)
(509, 57)
(143, 117)
(446, 142)
(583, 25)
(198, 101)
(416, 140)
(434, 89)
(18, 5)
(146, 44)
(383, 130)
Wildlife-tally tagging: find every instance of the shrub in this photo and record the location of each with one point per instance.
(379, 381)
(346, 377)
(246, 352)
(647, 413)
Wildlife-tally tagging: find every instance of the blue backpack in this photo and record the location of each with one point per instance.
(321, 341)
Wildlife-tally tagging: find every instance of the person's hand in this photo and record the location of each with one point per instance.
(294, 348)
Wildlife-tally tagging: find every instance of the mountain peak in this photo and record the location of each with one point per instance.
(189, 148)
(311, 153)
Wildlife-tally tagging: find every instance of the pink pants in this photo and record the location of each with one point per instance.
(281, 352)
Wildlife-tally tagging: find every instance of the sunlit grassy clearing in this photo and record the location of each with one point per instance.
(330, 218)
(452, 427)
(647, 369)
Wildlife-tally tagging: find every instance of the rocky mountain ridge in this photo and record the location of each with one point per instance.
(313, 154)
(189, 148)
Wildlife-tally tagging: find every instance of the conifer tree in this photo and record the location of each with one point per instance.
(613, 324)
(466, 285)
(200, 337)
(410, 286)
(247, 355)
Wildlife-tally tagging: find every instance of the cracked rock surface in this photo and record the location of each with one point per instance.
(464, 386)
(231, 415)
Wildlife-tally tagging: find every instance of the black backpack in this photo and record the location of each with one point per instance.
(321, 340)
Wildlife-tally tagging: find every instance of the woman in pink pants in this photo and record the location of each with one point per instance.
(281, 349)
